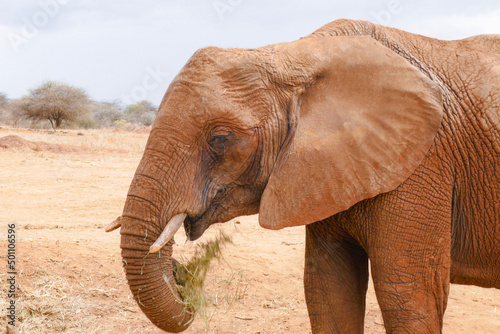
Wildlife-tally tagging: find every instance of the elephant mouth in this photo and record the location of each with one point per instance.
(196, 226)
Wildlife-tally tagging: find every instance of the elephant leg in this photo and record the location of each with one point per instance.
(410, 304)
(410, 266)
(335, 280)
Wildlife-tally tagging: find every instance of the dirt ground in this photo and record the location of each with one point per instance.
(70, 276)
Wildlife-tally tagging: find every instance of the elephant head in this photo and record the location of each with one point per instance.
(295, 132)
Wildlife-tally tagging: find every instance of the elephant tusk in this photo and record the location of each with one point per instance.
(172, 226)
(114, 224)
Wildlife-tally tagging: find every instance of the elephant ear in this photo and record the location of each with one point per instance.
(358, 128)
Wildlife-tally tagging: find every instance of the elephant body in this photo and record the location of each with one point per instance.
(385, 144)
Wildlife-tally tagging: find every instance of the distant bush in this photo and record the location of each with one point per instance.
(86, 123)
(3, 100)
(4, 115)
(13, 114)
(105, 114)
(124, 125)
(142, 113)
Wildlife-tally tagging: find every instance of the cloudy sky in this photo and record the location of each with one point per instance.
(131, 49)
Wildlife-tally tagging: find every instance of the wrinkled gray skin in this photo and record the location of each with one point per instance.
(416, 190)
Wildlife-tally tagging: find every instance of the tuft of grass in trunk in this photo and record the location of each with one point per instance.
(190, 276)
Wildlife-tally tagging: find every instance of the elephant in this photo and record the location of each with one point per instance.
(384, 144)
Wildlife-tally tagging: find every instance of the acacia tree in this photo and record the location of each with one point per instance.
(57, 103)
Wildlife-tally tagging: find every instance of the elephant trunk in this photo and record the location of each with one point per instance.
(150, 275)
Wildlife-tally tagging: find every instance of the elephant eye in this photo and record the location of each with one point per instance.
(220, 141)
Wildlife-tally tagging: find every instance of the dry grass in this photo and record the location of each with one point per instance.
(190, 277)
(46, 305)
(64, 296)
(50, 304)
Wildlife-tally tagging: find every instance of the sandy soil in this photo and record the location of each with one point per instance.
(70, 274)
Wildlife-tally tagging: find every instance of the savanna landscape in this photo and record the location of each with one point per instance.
(62, 188)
